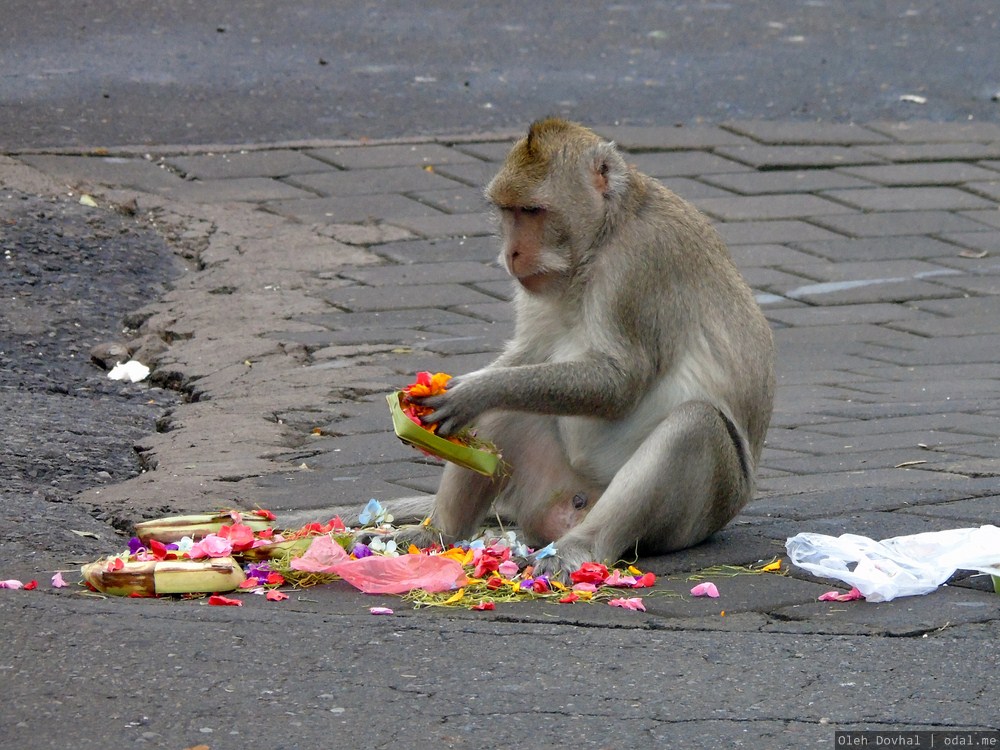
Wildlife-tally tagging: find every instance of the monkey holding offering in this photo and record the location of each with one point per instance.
(632, 402)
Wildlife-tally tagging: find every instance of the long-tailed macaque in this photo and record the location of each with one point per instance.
(632, 403)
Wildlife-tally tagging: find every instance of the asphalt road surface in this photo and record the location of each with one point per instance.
(115, 72)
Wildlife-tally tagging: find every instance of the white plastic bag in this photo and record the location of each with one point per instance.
(900, 566)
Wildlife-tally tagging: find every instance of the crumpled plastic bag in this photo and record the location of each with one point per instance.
(397, 575)
(899, 566)
(382, 575)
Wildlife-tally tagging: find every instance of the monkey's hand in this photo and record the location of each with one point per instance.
(560, 565)
(456, 407)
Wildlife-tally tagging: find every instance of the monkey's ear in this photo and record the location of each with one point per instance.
(609, 172)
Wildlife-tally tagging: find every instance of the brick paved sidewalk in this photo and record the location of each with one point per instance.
(329, 273)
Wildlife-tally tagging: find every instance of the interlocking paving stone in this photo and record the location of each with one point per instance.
(794, 157)
(934, 173)
(373, 181)
(785, 181)
(826, 133)
(887, 248)
(889, 223)
(368, 157)
(682, 163)
(908, 198)
(268, 163)
(926, 131)
(790, 206)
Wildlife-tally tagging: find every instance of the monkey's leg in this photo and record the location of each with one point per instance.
(684, 482)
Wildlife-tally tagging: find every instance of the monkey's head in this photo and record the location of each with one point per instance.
(556, 193)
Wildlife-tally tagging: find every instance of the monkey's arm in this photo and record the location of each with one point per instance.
(598, 385)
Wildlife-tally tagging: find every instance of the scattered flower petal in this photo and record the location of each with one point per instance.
(31, 585)
(483, 606)
(508, 568)
(570, 598)
(11, 584)
(840, 596)
(706, 589)
(58, 582)
(381, 611)
(275, 596)
(772, 567)
(218, 600)
(549, 550)
(589, 572)
(634, 603)
(212, 545)
(617, 579)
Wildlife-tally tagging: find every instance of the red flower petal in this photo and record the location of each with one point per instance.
(275, 596)
(265, 514)
(217, 600)
(31, 585)
(483, 606)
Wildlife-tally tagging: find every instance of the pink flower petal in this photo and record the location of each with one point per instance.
(839, 596)
(11, 584)
(58, 582)
(634, 603)
(508, 569)
(585, 586)
(706, 589)
(381, 611)
(619, 579)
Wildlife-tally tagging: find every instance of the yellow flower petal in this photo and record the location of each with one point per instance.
(634, 570)
(457, 597)
(413, 550)
(772, 567)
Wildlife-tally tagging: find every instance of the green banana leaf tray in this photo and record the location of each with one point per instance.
(409, 432)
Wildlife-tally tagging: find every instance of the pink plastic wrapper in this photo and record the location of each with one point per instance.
(397, 575)
(382, 575)
(323, 556)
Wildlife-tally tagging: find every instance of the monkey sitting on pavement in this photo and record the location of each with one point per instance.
(632, 403)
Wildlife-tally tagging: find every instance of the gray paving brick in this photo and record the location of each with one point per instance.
(766, 232)
(635, 138)
(890, 223)
(788, 206)
(960, 424)
(140, 174)
(691, 189)
(447, 225)
(455, 272)
(351, 209)
(988, 241)
(910, 152)
(836, 315)
(373, 181)
(369, 157)
(967, 325)
(990, 190)
(368, 299)
(772, 280)
(663, 164)
(926, 131)
(881, 248)
(974, 284)
(457, 199)
(785, 181)
(908, 198)
(934, 173)
(797, 157)
(474, 174)
(492, 151)
(962, 306)
(383, 321)
(971, 510)
(990, 218)
(806, 133)
(752, 256)
(864, 291)
(267, 163)
(240, 189)
(483, 249)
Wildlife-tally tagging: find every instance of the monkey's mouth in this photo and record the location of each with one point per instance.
(540, 280)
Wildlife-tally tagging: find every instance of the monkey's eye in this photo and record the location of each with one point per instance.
(531, 210)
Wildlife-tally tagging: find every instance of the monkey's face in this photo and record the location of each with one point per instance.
(529, 251)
